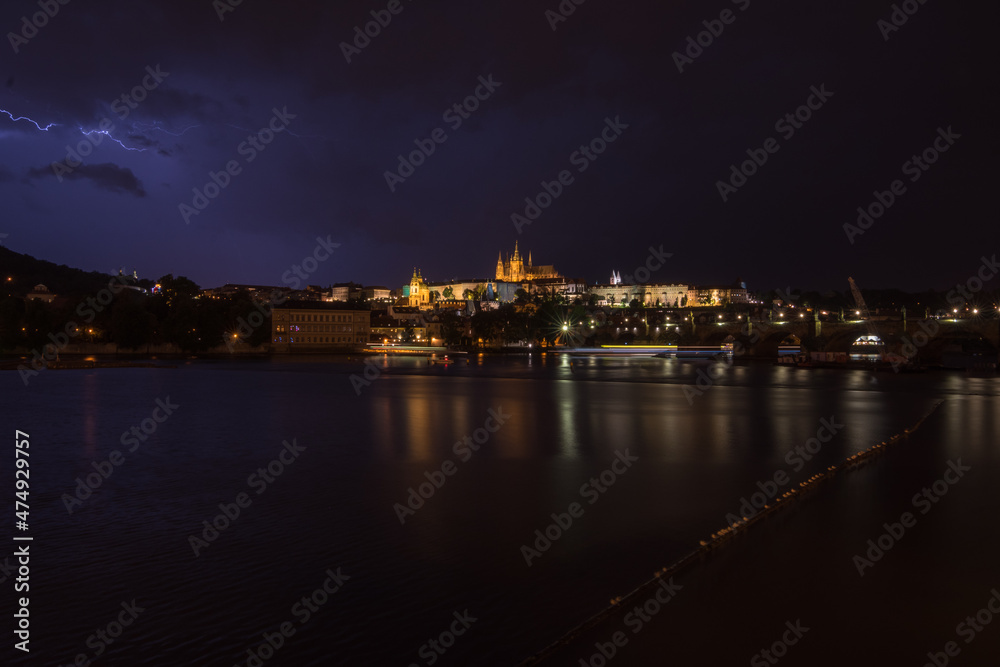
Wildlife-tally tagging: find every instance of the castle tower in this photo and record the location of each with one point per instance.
(516, 265)
(417, 293)
(500, 267)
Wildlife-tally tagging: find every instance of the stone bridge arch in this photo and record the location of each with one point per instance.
(768, 345)
(841, 339)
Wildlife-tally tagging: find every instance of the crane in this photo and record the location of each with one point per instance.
(860, 300)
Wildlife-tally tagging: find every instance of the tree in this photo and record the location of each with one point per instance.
(39, 321)
(177, 288)
(449, 292)
(238, 318)
(196, 326)
(11, 314)
(132, 326)
(451, 329)
(487, 324)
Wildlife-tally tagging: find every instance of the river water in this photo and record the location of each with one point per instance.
(668, 463)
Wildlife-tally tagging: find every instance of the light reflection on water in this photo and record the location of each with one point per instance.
(461, 549)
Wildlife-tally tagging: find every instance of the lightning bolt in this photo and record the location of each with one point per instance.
(141, 127)
(43, 129)
(81, 130)
(88, 133)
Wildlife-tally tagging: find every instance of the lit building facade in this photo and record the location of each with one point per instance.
(41, 293)
(308, 326)
(652, 294)
(424, 295)
(712, 295)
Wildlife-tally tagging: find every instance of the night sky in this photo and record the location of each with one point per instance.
(656, 184)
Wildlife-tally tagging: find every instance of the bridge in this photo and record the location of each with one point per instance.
(911, 338)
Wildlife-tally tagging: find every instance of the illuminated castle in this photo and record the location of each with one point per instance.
(514, 270)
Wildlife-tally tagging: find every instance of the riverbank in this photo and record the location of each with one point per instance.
(77, 364)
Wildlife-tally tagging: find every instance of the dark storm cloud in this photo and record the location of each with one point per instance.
(105, 176)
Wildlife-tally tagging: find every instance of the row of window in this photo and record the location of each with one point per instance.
(296, 317)
(320, 339)
(316, 328)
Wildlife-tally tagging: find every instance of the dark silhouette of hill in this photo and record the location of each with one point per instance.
(26, 271)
